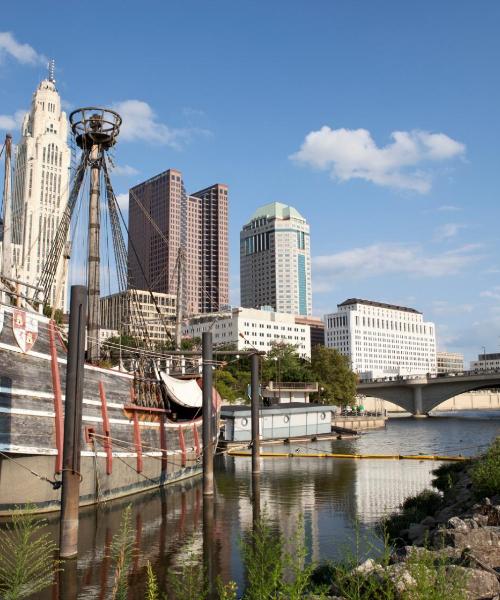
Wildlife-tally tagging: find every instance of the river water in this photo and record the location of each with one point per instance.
(340, 501)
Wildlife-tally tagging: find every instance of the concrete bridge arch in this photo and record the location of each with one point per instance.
(420, 395)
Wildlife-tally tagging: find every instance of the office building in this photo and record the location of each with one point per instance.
(166, 223)
(40, 186)
(275, 260)
(450, 362)
(486, 362)
(133, 313)
(382, 340)
(249, 328)
(317, 328)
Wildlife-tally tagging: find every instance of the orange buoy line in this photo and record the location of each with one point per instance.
(350, 456)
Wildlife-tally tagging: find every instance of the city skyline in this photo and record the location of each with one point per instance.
(377, 124)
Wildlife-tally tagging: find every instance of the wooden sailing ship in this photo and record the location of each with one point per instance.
(132, 437)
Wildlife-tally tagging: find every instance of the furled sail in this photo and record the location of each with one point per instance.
(183, 392)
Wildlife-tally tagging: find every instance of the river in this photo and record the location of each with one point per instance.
(341, 501)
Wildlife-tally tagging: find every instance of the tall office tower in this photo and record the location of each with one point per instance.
(194, 227)
(214, 247)
(41, 183)
(275, 260)
(382, 340)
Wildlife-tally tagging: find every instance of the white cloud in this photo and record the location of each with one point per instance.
(447, 231)
(12, 122)
(122, 200)
(140, 123)
(23, 53)
(353, 154)
(386, 259)
(124, 170)
(443, 307)
(448, 208)
(493, 293)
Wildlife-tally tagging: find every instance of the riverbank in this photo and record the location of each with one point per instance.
(445, 543)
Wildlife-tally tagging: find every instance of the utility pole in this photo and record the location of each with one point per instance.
(70, 494)
(207, 413)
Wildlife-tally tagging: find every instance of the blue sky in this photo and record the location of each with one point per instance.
(377, 120)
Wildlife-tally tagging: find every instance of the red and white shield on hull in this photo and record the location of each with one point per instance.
(25, 329)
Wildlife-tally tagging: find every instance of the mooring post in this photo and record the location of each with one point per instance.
(207, 408)
(70, 493)
(209, 545)
(255, 409)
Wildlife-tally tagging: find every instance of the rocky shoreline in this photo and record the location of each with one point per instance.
(453, 552)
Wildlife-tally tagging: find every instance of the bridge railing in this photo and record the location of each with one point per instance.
(396, 378)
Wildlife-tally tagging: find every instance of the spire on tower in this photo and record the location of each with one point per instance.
(52, 69)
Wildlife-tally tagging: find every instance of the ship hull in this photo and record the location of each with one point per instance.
(126, 447)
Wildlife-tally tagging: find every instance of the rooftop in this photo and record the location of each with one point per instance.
(379, 305)
(277, 210)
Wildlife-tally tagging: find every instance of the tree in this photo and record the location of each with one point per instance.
(336, 380)
(58, 313)
(283, 363)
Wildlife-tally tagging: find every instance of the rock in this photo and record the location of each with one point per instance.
(479, 584)
(365, 568)
(416, 530)
(445, 514)
(471, 523)
(400, 578)
(456, 523)
(428, 521)
(481, 520)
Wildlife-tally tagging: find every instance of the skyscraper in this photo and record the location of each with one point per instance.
(275, 260)
(195, 226)
(41, 182)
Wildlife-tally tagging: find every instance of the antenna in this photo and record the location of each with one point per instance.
(52, 69)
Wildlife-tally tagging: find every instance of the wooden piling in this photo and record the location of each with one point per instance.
(70, 494)
(207, 413)
(255, 411)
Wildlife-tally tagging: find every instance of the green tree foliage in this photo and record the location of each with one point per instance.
(282, 363)
(58, 313)
(334, 375)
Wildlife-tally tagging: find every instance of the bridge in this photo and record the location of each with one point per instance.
(419, 394)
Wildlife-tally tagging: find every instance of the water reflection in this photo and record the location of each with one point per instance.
(176, 525)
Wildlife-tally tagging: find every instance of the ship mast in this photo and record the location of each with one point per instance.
(178, 317)
(95, 132)
(7, 212)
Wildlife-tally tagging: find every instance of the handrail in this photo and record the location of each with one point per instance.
(293, 385)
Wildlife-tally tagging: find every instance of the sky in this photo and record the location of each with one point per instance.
(378, 121)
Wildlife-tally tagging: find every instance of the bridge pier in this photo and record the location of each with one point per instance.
(418, 410)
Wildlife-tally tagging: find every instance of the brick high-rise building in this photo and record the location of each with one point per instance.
(197, 224)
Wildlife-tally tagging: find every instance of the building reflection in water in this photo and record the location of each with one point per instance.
(169, 526)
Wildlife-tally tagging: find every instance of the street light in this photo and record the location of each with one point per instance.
(277, 359)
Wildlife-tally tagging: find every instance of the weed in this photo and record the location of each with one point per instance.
(27, 556)
(122, 550)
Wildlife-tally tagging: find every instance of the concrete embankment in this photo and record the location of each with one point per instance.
(347, 424)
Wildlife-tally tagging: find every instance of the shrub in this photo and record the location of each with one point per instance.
(447, 475)
(485, 472)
